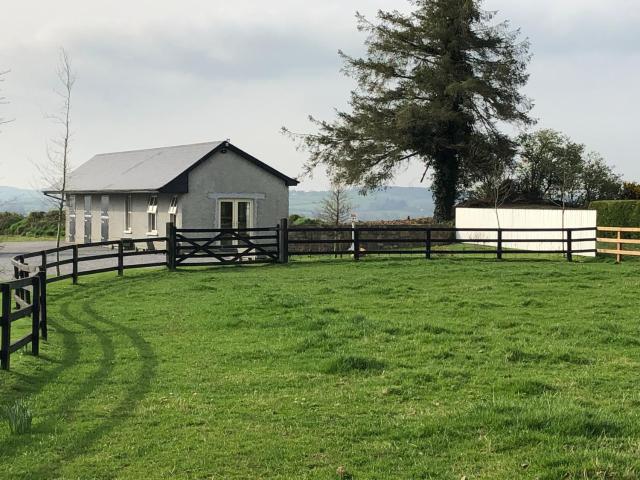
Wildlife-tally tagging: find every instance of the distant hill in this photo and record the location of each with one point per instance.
(390, 204)
(23, 201)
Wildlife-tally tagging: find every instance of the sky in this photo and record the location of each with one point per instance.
(155, 73)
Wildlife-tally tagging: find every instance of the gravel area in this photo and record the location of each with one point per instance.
(8, 250)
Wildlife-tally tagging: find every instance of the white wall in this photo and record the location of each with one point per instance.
(527, 218)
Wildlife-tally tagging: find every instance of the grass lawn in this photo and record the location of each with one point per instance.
(21, 238)
(388, 368)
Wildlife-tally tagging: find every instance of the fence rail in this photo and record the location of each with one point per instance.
(619, 241)
(30, 304)
(210, 247)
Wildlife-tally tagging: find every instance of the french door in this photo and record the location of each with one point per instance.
(235, 215)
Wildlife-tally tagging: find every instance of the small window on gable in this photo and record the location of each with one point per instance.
(173, 206)
(153, 204)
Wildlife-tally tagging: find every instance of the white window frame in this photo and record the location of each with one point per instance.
(173, 206)
(152, 215)
(128, 210)
(235, 202)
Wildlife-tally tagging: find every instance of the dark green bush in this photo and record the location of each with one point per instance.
(617, 213)
(36, 224)
(7, 219)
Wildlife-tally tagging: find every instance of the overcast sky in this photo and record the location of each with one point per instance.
(155, 73)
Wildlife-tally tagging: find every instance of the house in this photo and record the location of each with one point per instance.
(207, 185)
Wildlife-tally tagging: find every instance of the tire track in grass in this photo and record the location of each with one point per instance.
(122, 411)
(72, 354)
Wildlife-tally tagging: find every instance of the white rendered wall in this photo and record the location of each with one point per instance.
(528, 218)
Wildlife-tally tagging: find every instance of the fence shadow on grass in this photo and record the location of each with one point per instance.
(142, 375)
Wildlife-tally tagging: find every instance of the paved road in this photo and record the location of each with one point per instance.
(9, 250)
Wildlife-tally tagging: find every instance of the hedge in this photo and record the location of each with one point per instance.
(36, 224)
(617, 213)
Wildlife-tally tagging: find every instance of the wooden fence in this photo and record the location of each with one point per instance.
(427, 241)
(29, 295)
(619, 241)
(199, 247)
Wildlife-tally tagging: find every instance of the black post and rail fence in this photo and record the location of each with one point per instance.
(182, 248)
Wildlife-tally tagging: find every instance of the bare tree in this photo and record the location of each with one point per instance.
(336, 208)
(3, 99)
(56, 171)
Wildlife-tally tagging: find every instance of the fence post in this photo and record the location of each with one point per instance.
(42, 276)
(499, 249)
(74, 271)
(21, 274)
(283, 241)
(619, 246)
(120, 257)
(428, 250)
(171, 246)
(35, 316)
(43, 260)
(5, 325)
(569, 245)
(356, 243)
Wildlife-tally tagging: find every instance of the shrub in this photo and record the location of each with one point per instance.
(617, 213)
(19, 417)
(7, 219)
(631, 191)
(36, 224)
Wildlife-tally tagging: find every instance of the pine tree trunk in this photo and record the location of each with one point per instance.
(445, 185)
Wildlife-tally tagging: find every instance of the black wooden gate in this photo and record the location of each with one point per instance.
(201, 247)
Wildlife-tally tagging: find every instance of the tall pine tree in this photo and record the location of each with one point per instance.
(433, 86)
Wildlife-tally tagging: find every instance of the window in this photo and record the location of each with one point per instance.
(173, 209)
(71, 203)
(104, 206)
(152, 214)
(127, 213)
(87, 205)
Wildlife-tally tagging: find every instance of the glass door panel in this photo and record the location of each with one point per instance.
(226, 219)
(244, 213)
(235, 215)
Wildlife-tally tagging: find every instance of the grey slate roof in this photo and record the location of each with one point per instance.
(147, 170)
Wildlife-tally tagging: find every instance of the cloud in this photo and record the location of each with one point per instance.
(153, 73)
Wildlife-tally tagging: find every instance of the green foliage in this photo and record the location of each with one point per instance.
(296, 220)
(630, 191)
(488, 366)
(599, 181)
(7, 219)
(549, 169)
(19, 417)
(35, 224)
(433, 86)
(617, 213)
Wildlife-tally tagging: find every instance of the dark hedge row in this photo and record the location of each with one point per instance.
(35, 224)
(617, 213)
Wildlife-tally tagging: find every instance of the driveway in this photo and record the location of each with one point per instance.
(8, 250)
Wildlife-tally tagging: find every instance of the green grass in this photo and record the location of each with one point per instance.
(23, 238)
(389, 368)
